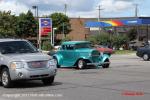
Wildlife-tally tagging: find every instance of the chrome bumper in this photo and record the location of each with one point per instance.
(98, 64)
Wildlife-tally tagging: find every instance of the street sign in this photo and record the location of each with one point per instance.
(45, 26)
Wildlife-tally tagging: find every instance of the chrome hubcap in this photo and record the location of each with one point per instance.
(80, 64)
(5, 78)
(145, 57)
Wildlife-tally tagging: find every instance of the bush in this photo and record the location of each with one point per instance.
(66, 39)
(111, 40)
(100, 39)
(47, 46)
(119, 40)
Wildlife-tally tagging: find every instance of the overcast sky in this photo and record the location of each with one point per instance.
(82, 8)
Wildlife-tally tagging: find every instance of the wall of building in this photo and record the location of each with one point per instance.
(79, 32)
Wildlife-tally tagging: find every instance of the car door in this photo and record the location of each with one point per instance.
(69, 56)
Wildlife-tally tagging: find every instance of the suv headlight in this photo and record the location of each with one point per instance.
(51, 63)
(16, 65)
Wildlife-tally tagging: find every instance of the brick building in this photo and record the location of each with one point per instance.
(80, 32)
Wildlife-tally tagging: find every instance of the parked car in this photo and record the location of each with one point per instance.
(20, 60)
(104, 49)
(79, 54)
(134, 45)
(144, 52)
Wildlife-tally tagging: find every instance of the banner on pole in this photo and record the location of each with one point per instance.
(45, 26)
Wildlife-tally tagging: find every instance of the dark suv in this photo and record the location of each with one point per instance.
(144, 52)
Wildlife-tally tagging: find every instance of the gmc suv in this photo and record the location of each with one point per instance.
(20, 60)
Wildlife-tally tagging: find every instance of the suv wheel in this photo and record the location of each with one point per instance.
(107, 64)
(145, 57)
(55, 60)
(81, 64)
(48, 81)
(5, 78)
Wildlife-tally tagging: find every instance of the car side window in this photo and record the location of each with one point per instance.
(63, 47)
(69, 47)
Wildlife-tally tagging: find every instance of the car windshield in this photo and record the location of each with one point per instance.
(83, 45)
(17, 47)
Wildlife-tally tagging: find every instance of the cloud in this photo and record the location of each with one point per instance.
(16, 8)
(116, 5)
(83, 8)
(73, 5)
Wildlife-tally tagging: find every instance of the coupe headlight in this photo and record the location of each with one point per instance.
(101, 53)
(16, 65)
(51, 63)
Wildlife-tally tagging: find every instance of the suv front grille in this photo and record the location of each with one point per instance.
(37, 64)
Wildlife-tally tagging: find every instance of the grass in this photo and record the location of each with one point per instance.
(124, 52)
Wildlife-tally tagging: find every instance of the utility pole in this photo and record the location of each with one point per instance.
(99, 15)
(136, 10)
(136, 16)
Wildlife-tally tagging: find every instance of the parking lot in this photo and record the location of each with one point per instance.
(128, 78)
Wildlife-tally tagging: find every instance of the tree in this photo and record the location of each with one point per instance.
(116, 40)
(7, 25)
(26, 25)
(132, 34)
(61, 22)
(102, 39)
(119, 40)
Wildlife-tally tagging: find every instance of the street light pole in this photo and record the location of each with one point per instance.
(53, 37)
(38, 35)
(65, 8)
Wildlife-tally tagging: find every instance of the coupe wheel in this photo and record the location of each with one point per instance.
(48, 81)
(5, 78)
(145, 57)
(81, 64)
(107, 63)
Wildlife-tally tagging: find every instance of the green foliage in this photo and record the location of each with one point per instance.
(61, 22)
(7, 25)
(119, 40)
(26, 25)
(100, 38)
(132, 34)
(21, 26)
(66, 39)
(106, 39)
(47, 46)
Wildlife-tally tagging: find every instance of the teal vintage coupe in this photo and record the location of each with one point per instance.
(80, 54)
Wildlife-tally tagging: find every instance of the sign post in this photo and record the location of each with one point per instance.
(45, 29)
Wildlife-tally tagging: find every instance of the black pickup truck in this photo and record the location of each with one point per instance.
(144, 52)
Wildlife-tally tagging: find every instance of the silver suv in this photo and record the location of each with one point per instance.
(20, 60)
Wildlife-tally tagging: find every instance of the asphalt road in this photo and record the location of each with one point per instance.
(128, 78)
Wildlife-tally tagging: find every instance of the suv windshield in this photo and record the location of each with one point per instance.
(83, 45)
(17, 47)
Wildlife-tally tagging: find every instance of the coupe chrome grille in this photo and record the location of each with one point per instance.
(37, 64)
(95, 56)
(95, 53)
